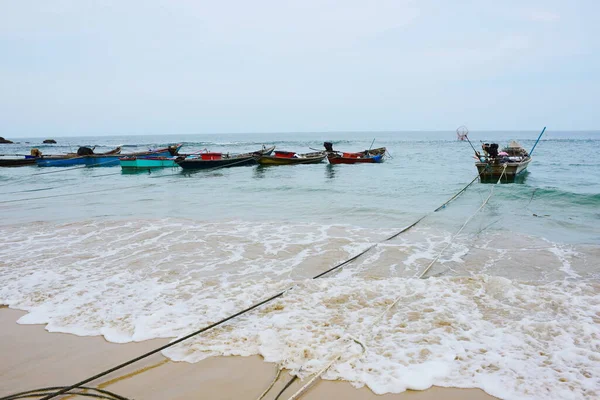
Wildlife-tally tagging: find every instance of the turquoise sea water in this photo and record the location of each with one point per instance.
(561, 186)
(511, 304)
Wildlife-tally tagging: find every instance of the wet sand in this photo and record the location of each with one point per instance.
(33, 358)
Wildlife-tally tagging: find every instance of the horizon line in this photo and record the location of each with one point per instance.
(300, 132)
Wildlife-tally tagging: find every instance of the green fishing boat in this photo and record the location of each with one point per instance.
(136, 163)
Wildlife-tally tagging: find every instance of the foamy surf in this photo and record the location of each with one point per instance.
(517, 317)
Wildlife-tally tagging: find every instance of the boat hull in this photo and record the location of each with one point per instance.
(493, 171)
(225, 162)
(97, 159)
(16, 162)
(147, 162)
(364, 157)
(334, 159)
(107, 161)
(59, 161)
(302, 159)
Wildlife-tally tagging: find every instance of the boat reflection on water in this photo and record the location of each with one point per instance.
(259, 172)
(330, 171)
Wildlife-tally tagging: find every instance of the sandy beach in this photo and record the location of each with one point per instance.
(34, 358)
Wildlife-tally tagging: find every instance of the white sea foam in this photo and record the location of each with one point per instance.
(137, 280)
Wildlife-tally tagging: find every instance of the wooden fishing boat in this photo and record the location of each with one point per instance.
(17, 161)
(508, 163)
(219, 160)
(289, 157)
(146, 162)
(367, 156)
(71, 159)
(108, 159)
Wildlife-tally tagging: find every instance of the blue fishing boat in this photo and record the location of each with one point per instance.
(110, 159)
(17, 161)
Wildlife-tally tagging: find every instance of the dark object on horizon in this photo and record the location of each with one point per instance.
(85, 151)
(5, 141)
(491, 149)
(49, 141)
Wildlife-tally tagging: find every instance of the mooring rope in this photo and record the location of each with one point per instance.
(101, 394)
(76, 194)
(287, 385)
(102, 190)
(98, 191)
(57, 171)
(422, 275)
(98, 176)
(73, 168)
(271, 385)
(64, 390)
(191, 171)
(314, 378)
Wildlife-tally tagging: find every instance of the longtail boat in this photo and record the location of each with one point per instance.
(17, 161)
(147, 162)
(71, 159)
(210, 160)
(289, 157)
(508, 163)
(504, 165)
(366, 156)
(108, 159)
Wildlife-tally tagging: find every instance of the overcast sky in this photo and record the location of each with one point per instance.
(182, 67)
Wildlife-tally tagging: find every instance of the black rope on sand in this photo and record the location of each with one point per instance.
(102, 394)
(287, 385)
(222, 321)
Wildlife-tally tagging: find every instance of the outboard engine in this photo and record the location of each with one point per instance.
(328, 146)
(85, 151)
(491, 149)
(173, 150)
(35, 153)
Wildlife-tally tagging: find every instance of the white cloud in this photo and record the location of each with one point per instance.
(515, 42)
(544, 16)
(198, 65)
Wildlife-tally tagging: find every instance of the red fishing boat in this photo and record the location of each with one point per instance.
(290, 157)
(367, 156)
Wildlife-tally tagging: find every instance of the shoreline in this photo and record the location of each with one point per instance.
(34, 358)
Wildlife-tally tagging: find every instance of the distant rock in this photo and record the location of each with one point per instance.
(4, 141)
(50, 141)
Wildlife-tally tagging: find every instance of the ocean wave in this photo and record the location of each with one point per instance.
(552, 196)
(531, 333)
